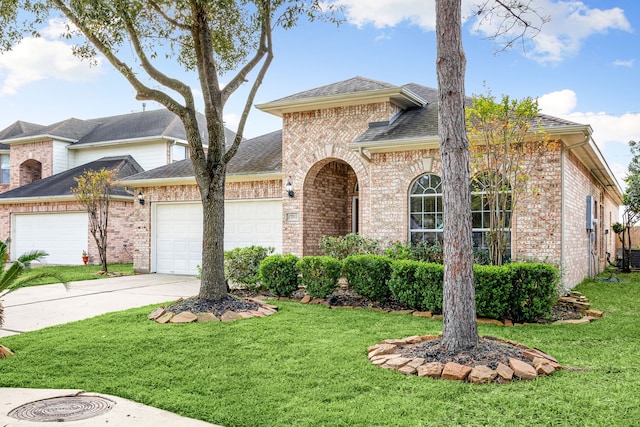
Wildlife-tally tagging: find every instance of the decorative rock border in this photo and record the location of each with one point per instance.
(162, 315)
(386, 354)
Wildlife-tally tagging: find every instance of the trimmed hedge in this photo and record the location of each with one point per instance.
(368, 275)
(520, 292)
(279, 275)
(417, 284)
(319, 274)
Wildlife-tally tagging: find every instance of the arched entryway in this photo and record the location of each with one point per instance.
(30, 171)
(331, 204)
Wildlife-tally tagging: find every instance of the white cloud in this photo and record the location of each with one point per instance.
(35, 59)
(610, 132)
(571, 22)
(558, 103)
(624, 63)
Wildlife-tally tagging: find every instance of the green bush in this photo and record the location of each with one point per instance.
(422, 251)
(279, 274)
(417, 284)
(241, 265)
(520, 292)
(368, 275)
(534, 291)
(319, 274)
(352, 244)
(493, 291)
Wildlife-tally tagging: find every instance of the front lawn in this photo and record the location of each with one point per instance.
(74, 273)
(307, 366)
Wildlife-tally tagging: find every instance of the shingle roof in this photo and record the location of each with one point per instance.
(258, 155)
(16, 128)
(113, 128)
(413, 123)
(60, 184)
(352, 85)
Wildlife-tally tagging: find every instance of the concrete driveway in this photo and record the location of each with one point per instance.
(37, 307)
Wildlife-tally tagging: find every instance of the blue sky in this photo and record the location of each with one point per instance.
(583, 66)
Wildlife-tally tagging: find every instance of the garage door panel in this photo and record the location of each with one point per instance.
(178, 231)
(62, 235)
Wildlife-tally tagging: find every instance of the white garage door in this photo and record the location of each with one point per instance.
(62, 235)
(177, 246)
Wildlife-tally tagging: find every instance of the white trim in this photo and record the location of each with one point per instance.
(51, 199)
(401, 95)
(405, 144)
(191, 180)
(146, 139)
(37, 138)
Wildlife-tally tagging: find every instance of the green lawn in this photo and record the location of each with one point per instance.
(73, 273)
(307, 366)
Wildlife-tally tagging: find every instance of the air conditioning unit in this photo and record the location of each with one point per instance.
(591, 210)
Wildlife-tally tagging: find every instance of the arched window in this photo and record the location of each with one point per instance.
(490, 209)
(30, 171)
(425, 209)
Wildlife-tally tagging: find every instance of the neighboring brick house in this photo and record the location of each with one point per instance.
(362, 156)
(38, 167)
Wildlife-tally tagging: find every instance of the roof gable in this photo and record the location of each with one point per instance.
(60, 184)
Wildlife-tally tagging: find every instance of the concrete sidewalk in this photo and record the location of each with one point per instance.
(38, 307)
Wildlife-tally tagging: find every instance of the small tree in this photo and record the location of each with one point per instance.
(507, 142)
(93, 191)
(631, 210)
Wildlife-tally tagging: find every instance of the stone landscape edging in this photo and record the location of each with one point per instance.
(386, 354)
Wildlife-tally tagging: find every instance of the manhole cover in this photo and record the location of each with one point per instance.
(61, 409)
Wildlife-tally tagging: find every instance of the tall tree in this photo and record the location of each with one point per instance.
(459, 328)
(506, 135)
(631, 209)
(209, 38)
(93, 191)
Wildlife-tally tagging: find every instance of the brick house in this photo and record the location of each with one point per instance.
(38, 167)
(362, 156)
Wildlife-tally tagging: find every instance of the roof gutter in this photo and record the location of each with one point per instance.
(52, 199)
(37, 138)
(191, 180)
(145, 139)
(401, 95)
(390, 145)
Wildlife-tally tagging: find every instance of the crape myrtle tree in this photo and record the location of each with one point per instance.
(507, 143)
(459, 330)
(209, 38)
(93, 191)
(631, 208)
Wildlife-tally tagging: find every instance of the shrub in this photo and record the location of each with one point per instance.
(352, 244)
(422, 251)
(241, 265)
(319, 274)
(368, 275)
(493, 291)
(417, 285)
(279, 275)
(534, 291)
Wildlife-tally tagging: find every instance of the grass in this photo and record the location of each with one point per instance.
(307, 366)
(73, 273)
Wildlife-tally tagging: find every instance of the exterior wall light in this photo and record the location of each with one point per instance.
(141, 198)
(289, 187)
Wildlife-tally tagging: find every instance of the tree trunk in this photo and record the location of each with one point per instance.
(213, 285)
(459, 309)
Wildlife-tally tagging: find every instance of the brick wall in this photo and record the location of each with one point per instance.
(119, 239)
(23, 158)
(311, 140)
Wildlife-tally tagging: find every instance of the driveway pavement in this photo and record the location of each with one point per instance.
(29, 309)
